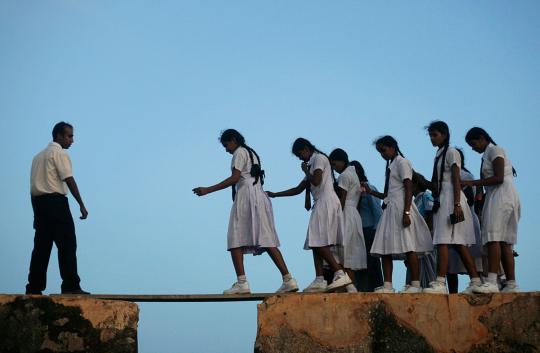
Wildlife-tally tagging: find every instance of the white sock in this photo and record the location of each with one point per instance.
(476, 281)
(441, 280)
(241, 279)
(511, 283)
(492, 278)
(339, 273)
(415, 284)
(319, 279)
(387, 285)
(287, 277)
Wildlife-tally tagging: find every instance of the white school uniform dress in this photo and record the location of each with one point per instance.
(326, 226)
(444, 232)
(391, 237)
(353, 251)
(502, 208)
(455, 265)
(251, 224)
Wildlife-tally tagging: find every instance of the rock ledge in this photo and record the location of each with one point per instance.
(31, 324)
(368, 322)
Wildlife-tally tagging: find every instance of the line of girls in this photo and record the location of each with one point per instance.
(438, 235)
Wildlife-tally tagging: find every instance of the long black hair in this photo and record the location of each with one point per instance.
(359, 171)
(475, 133)
(301, 143)
(462, 155)
(256, 170)
(339, 155)
(442, 128)
(388, 141)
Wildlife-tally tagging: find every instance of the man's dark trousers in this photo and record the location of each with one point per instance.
(53, 224)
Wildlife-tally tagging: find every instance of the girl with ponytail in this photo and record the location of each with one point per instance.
(501, 211)
(352, 253)
(402, 232)
(452, 218)
(326, 227)
(251, 224)
(455, 265)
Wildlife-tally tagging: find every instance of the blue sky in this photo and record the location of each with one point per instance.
(150, 85)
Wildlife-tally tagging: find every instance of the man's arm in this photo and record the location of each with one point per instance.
(72, 185)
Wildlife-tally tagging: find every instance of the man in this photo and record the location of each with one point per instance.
(50, 179)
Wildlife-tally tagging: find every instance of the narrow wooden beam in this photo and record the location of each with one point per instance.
(163, 298)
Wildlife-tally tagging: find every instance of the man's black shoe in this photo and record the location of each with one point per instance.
(75, 291)
(33, 292)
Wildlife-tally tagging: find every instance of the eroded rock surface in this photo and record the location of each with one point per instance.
(30, 324)
(365, 323)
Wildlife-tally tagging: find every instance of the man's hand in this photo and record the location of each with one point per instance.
(84, 213)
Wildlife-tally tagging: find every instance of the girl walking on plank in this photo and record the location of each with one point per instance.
(402, 233)
(353, 251)
(370, 211)
(501, 211)
(326, 226)
(452, 218)
(455, 265)
(251, 224)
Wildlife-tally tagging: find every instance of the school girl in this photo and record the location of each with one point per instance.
(251, 223)
(370, 211)
(353, 251)
(402, 232)
(455, 265)
(452, 218)
(423, 199)
(501, 212)
(326, 227)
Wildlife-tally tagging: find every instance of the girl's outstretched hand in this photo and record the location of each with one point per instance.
(200, 191)
(270, 194)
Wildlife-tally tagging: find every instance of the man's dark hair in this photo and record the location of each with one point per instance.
(60, 128)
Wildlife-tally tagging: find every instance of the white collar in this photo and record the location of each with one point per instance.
(55, 144)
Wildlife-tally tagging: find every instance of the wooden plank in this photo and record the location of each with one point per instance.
(178, 297)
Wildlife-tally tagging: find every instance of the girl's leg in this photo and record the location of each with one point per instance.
(442, 265)
(349, 272)
(325, 254)
(508, 261)
(494, 256)
(237, 255)
(453, 283)
(277, 258)
(413, 265)
(485, 266)
(318, 262)
(388, 267)
(467, 260)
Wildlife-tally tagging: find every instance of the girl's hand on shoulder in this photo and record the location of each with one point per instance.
(271, 194)
(200, 191)
(465, 183)
(364, 187)
(406, 220)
